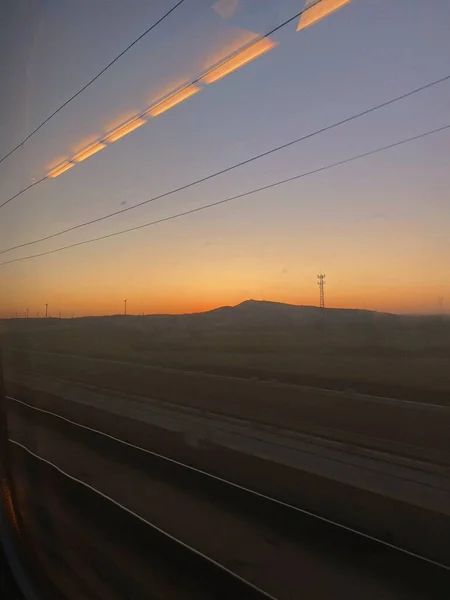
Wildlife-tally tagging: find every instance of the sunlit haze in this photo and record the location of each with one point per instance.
(378, 227)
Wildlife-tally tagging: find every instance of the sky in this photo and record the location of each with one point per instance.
(377, 227)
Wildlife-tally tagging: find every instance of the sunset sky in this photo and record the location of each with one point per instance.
(378, 227)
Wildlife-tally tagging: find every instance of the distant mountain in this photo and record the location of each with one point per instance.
(266, 308)
(248, 315)
(253, 325)
(263, 313)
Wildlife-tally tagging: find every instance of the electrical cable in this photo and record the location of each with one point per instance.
(190, 83)
(232, 167)
(55, 112)
(230, 199)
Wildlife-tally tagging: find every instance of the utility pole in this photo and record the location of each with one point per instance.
(125, 306)
(321, 283)
(59, 313)
(46, 310)
(27, 313)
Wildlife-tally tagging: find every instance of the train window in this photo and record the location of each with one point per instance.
(224, 317)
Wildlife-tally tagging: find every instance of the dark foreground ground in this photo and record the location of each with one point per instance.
(373, 384)
(406, 357)
(287, 554)
(406, 428)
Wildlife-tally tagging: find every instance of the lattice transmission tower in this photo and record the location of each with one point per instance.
(321, 283)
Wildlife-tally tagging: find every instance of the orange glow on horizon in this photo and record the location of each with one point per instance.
(141, 301)
(241, 58)
(319, 11)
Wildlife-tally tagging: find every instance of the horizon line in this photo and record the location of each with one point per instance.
(143, 314)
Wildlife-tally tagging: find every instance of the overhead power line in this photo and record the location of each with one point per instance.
(124, 51)
(23, 190)
(230, 199)
(186, 86)
(232, 167)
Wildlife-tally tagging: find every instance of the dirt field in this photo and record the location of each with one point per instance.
(402, 428)
(350, 566)
(398, 357)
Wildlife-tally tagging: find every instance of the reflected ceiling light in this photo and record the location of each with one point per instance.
(124, 129)
(174, 99)
(65, 166)
(319, 11)
(239, 59)
(89, 151)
